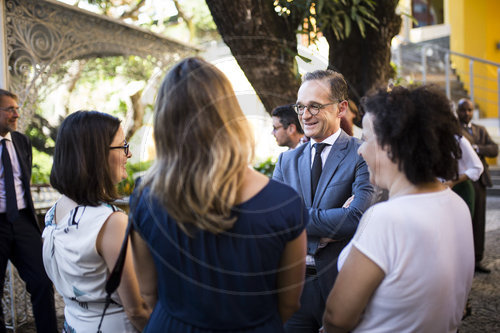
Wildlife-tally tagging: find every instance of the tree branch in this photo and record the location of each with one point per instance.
(133, 12)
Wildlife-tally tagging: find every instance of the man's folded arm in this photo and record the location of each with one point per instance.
(340, 223)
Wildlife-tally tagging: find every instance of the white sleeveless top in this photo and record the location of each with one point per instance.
(78, 272)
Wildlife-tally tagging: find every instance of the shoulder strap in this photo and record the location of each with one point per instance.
(116, 274)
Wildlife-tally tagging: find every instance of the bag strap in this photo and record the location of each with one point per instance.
(116, 274)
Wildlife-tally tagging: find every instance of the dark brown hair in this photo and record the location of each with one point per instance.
(80, 170)
(338, 86)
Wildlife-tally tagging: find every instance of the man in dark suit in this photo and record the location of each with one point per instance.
(484, 147)
(328, 173)
(20, 240)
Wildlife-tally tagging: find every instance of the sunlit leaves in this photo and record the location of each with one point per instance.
(338, 15)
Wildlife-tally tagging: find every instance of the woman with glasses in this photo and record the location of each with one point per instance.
(84, 232)
(410, 265)
(219, 246)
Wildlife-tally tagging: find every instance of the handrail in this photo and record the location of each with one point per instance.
(497, 64)
(471, 59)
(489, 62)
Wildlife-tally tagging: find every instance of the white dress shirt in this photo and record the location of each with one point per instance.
(324, 154)
(16, 170)
(469, 164)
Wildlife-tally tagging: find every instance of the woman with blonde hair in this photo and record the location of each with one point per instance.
(219, 246)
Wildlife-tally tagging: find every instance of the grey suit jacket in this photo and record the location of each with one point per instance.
(345, 173)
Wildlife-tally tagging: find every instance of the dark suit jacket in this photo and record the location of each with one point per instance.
(25, 156)
(345, 173)
(486, 148)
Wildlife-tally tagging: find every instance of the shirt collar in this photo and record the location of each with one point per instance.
(8, 136)
(329, 140)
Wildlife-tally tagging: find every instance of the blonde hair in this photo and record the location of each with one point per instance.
(204, 145)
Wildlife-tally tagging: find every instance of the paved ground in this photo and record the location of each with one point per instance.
(485, 294)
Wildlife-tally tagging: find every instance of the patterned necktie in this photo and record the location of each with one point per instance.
(316, 167)
(10, 189)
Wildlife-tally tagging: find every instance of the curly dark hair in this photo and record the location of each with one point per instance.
(420, 130)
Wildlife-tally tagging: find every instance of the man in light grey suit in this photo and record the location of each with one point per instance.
(328, 173)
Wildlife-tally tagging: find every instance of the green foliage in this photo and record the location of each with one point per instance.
(337, 15)
(42, 164)
(266, 167)
(41, 134)
(398, 80)
(131, 67)
(193, 23)
(126, 187)
(200, 14)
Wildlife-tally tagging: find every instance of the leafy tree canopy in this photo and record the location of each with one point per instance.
(337, 15)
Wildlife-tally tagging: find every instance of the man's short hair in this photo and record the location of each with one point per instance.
(338, 86)
(462, 103)
(287, 116)
(7, 93)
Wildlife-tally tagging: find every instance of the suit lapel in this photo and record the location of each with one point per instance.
(305, 174)
(20, 158)
(336, 155)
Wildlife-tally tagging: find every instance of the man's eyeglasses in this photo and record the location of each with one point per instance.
(10, 109)
(275, 129)
(313, 108)
(125, 148)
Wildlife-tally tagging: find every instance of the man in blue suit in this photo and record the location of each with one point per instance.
(334, 183)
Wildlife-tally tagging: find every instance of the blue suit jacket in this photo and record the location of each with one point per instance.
(344, 174)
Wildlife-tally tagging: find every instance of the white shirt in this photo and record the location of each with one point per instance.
(469, 164)
(16, 170)
(357, 132)
(423, 244)
(324, 154)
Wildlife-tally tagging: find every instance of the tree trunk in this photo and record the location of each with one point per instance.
(135, 115)
(365, 62)
(264, 45)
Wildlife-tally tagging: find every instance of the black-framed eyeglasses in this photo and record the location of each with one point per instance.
(275, 129)
(313, 108)
(10, 109)
(125, 148)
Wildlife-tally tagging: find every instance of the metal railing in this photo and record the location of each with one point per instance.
(472, 61)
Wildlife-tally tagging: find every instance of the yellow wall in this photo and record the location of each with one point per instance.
(475, 31)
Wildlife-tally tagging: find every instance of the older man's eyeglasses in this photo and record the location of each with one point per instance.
(125, 148)
(10, 109)
(313, 108)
